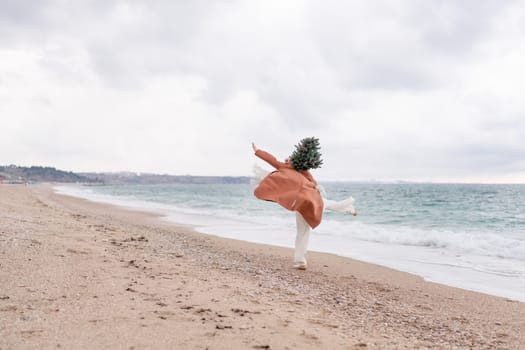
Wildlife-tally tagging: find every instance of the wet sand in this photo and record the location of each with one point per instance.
(81, 275)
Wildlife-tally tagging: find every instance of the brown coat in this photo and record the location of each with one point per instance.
(294, 190)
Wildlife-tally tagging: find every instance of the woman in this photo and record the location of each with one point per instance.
(293, 187)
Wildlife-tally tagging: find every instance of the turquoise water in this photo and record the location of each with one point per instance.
(470, 236)
(477, 208)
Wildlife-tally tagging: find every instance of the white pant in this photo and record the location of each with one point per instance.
(303, 229)
(301, 239)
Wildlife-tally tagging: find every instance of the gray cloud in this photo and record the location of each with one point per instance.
(453, 28)
(400, 47)
(362, 75)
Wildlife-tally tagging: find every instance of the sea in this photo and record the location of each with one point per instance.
(470, 236)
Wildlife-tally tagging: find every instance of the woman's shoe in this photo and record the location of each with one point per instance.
(299, 265)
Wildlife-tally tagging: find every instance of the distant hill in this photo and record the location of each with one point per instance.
(20, 174)
(150, 179)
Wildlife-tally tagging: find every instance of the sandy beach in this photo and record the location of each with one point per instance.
(81, 275)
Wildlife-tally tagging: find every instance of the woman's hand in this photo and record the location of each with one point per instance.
(254, 147)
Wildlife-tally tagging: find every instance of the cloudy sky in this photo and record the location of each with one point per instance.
(414, 90)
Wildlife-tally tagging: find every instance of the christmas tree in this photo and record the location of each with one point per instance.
(306, 154)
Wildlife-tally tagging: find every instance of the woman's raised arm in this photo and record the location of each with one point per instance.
(267, 157)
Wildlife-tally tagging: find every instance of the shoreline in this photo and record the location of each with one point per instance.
(123, 279)
(433, 265)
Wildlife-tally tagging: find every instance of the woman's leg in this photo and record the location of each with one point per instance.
(301, 239)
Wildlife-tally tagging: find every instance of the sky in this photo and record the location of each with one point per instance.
(413, 90)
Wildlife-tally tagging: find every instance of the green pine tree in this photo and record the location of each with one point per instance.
(306, 154)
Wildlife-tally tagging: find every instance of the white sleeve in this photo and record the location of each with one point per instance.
(258, 174)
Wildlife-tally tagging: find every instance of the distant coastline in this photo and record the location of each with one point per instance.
(14, 174)
(159, 179)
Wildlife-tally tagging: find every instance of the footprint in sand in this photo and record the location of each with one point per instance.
(8, 308)
(31, 332)
(74, 251)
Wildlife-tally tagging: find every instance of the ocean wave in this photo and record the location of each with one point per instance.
(463, 242)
